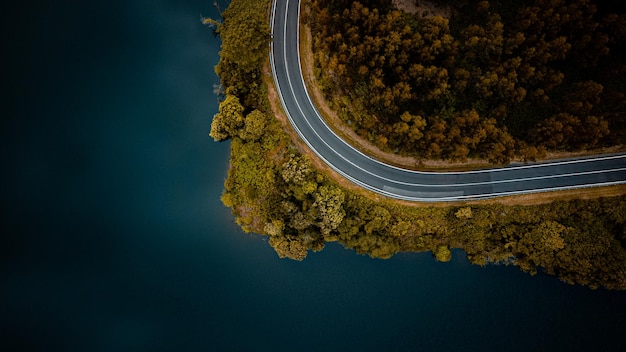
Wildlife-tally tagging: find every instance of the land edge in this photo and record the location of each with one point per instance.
(331, 118)
(438, 239)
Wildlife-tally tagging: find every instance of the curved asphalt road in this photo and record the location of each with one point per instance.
(405, 184)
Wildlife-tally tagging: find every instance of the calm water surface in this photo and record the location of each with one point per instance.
(114, 238)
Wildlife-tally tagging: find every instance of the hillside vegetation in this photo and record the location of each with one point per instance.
(274, 190)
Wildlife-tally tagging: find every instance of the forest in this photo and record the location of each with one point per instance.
(274, 190)
(493, 80)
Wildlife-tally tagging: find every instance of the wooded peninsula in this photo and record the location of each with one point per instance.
(503, 81)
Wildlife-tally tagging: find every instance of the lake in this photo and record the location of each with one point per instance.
(115, 238)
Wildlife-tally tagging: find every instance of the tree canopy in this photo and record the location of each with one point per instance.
(495, 80)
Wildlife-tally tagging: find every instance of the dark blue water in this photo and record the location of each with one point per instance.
(114, 238)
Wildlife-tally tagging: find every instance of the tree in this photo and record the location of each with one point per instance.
(289, 247)
(296, 169)
(583, 98)
(227, 122)
(329, 207)
(442, 253)
(379, 219)
(566, 131)
(254, 126)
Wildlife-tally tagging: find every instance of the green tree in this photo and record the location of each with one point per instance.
(329, 207)
(254, 126)
(227, 122)
(379, 220)
(442, 254)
